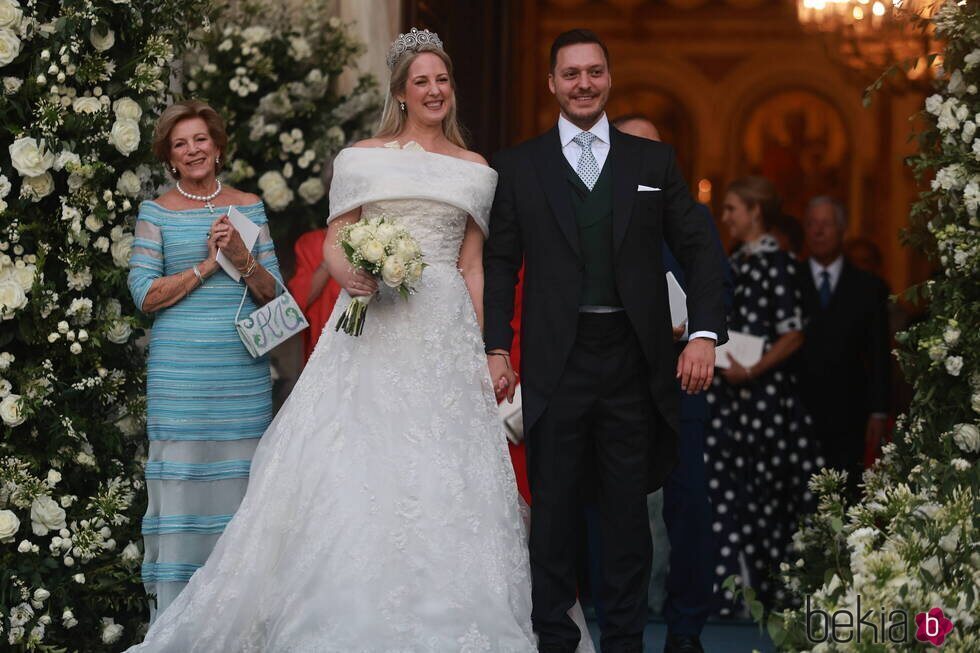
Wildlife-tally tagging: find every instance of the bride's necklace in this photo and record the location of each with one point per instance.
(207, 199)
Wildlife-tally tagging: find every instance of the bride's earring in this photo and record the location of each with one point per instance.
(401, 105)
(217, 160)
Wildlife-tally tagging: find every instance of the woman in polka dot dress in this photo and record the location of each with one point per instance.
(758, 451)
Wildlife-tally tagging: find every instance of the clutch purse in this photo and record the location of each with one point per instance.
(271, 324)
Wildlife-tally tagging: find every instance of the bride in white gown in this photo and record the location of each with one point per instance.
(382, 511)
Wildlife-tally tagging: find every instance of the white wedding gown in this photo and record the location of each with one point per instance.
(382, 512)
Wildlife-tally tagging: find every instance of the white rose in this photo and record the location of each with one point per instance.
(951, 335)
(54, 477)
(30, 157)
(954, 364)
(12, 298)
(75, 348)
(38, 187)
(311, 190)
(25, 276)
(9, 524)
(358, 235)
(11, 85)
(92, 223)
(127, 109)
(125, 136)
(119, 332)
(64, 158)
(278, 198)
(9, 46)
(41, 594)
(256, 34)
(393, 271)
(271, 179)
(975, 402)
(4, 186)
(24, 546)
(111, 632)
(10, 14)
(121, 250)
(131, 553)
(386, 232)
(372, 251)
(86, 105)
(967, 437)
(79, 578)
(100, 41)
(46, 515)
(128, 184)
(407, 248)
(6, 387)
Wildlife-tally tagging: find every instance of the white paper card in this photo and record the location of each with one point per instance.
(678, 301)
(512, 416)
(248, 230)
(746, 349)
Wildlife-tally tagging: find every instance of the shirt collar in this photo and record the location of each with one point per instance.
(834, 268)
(567, 131)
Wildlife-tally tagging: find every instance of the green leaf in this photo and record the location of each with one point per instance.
(755, 607)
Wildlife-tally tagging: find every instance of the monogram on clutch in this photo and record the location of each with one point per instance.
(270, 325)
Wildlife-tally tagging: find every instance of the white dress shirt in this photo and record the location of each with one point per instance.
(834, 269)
(600, 150)
(572, 150)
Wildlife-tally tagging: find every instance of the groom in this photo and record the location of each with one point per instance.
(586, 208)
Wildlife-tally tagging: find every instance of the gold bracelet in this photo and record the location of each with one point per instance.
(251, 269)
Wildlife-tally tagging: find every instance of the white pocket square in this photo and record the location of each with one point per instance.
(641, 187)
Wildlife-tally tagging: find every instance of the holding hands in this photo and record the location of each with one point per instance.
(503, 375)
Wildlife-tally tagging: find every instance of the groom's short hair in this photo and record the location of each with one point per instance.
(574, 37)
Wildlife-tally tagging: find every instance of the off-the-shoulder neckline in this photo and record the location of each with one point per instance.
(204, 208)
(420, 150)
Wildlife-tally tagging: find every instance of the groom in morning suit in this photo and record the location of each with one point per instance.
(587, 208)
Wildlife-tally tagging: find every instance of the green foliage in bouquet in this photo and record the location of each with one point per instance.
(274, 78)
(911, 543)
(82, 83)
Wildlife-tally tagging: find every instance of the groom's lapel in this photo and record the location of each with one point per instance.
(551, 165)
(624, 157)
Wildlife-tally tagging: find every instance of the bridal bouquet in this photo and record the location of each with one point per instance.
(382, 249)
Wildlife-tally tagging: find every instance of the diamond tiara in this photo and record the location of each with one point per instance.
(411, 42)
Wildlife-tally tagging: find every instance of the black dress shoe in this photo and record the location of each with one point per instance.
(683, 644)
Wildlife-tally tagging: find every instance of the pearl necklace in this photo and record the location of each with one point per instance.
(202, 198)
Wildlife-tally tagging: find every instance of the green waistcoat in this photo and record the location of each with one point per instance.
(593, 213)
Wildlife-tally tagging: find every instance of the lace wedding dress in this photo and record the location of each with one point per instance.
(382, 512)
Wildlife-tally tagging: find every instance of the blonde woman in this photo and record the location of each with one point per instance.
(382, 510)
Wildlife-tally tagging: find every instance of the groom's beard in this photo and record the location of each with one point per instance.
(583, 118)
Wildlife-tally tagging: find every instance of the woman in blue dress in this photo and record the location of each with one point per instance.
(208, 400)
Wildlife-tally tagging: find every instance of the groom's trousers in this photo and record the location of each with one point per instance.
(597, 424)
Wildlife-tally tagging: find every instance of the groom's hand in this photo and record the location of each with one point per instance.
(503, 376)
(696, 365)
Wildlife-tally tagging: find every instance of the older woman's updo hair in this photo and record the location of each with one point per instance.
(178, 112)
(759, 191)
(393, 118)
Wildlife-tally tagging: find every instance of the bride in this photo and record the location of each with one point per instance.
(382, 512)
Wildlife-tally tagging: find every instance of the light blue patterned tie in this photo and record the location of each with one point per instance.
(587, 167)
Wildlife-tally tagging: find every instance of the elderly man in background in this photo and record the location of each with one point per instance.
(845, 363)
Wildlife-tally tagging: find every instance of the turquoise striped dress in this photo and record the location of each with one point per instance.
(208, 400)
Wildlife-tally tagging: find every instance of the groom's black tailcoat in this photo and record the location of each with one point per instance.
(533, 221)
(599, 390)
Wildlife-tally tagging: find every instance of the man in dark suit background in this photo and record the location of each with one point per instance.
(845, 358)
(587, 208)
